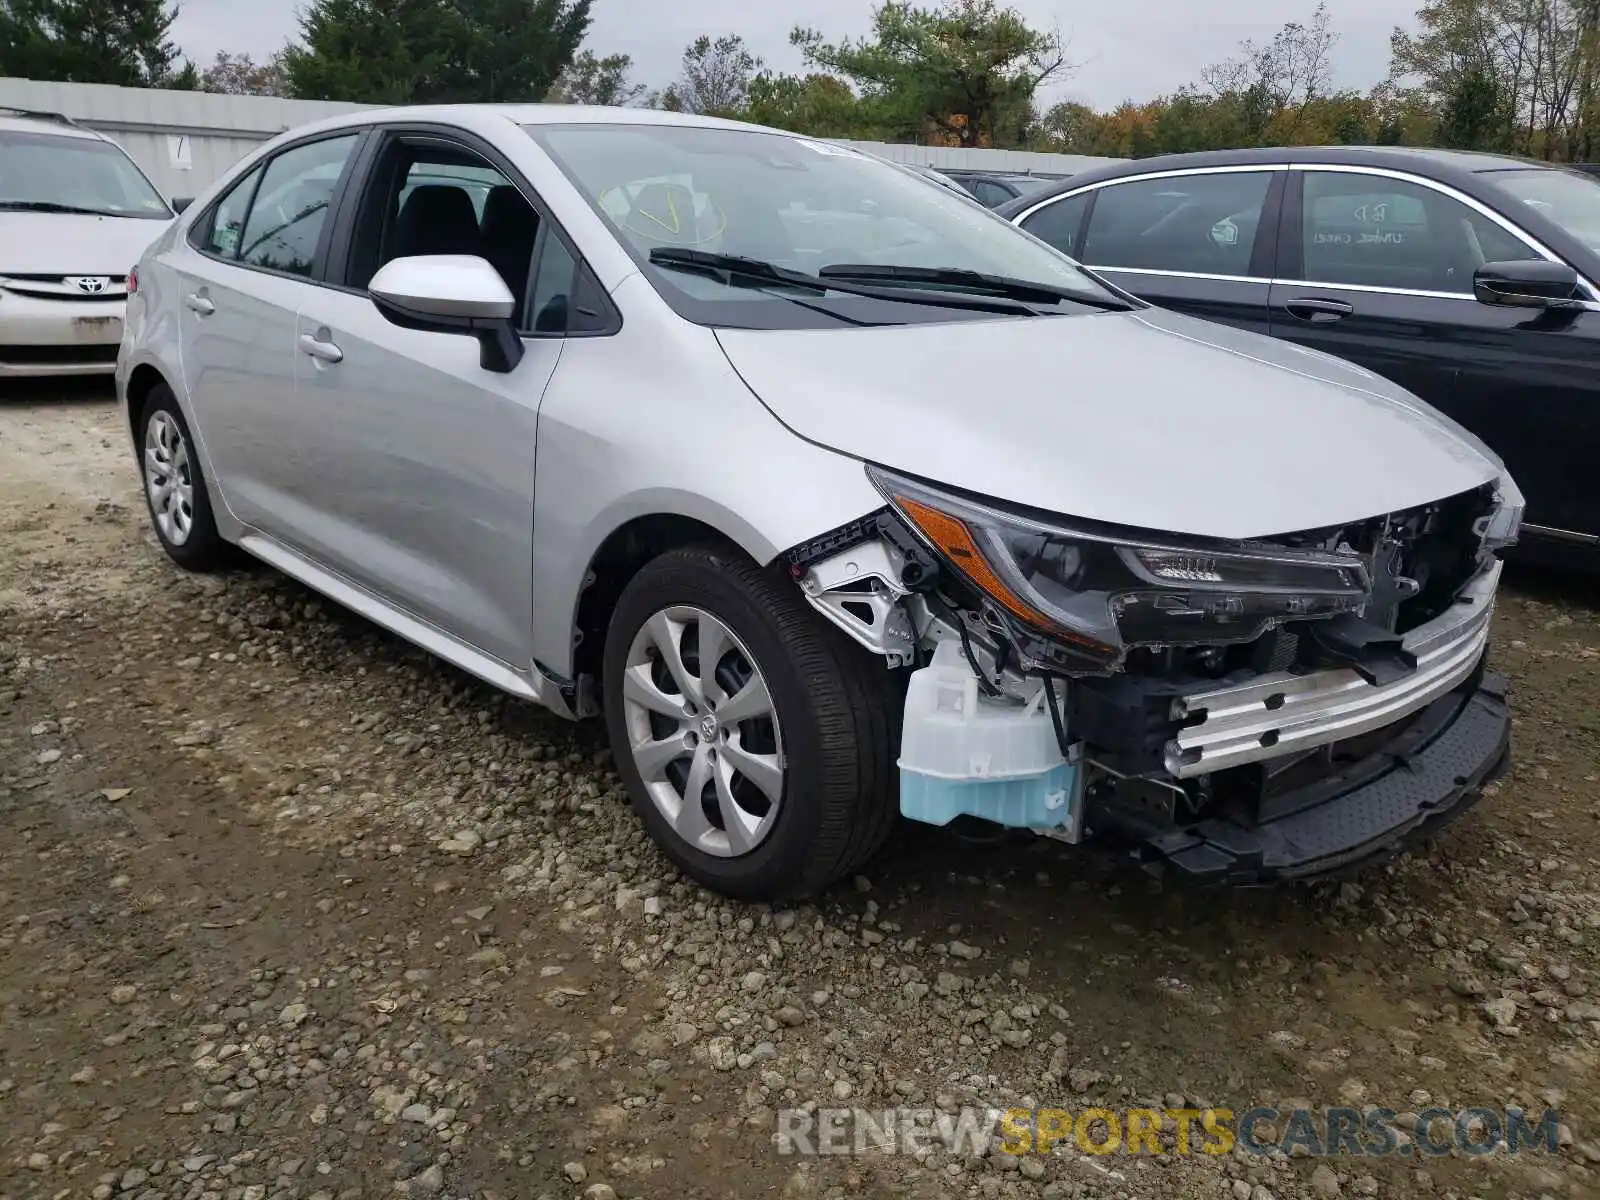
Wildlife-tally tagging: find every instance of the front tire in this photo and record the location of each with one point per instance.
(756, 741)
(175, 487)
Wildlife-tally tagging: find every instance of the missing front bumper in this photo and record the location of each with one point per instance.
(1426, 777)
(1279, 714)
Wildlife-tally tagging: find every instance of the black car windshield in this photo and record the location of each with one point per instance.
(801, 205)
(48, 172)
(1569, 199)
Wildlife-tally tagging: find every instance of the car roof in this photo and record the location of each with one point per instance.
(536, 114)
(15, 120)
(980, 173)
(1447, 166)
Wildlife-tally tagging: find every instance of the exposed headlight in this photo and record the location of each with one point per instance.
(1097, 592)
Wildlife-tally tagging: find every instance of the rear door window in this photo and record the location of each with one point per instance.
(1198, 223)
(220, 233)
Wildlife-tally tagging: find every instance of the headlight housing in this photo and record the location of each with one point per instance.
(1095, 592)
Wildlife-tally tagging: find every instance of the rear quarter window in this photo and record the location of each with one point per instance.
(1204, 223)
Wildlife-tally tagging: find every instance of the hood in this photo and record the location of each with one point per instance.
(1147, 419)
(74, 244)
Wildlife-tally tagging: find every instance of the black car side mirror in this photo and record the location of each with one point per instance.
(179, 203)
(1533, 283)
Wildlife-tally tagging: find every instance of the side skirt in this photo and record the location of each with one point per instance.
(527, 685)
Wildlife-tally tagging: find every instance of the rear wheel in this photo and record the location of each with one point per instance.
(174, 486)
(757, 742)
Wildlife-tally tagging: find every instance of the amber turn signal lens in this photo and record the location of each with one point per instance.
(951, 537)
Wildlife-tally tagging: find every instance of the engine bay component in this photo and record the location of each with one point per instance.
(1275, 715)
(964, 753)
(859, 589)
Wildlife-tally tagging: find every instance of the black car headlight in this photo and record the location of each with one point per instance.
(1098, 592)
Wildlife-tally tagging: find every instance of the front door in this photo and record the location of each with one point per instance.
(424, 460)
(1378, 270)
(241, 281)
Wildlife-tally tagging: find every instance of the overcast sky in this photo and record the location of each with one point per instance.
(1124, 49)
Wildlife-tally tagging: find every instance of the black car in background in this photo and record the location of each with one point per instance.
(1469, 279)
(994, 188)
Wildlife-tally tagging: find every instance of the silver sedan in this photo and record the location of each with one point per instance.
(836, 496)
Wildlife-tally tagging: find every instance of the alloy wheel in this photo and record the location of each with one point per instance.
(703, 731)
(168, 478)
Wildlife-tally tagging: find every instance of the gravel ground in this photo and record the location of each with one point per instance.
(289, 909)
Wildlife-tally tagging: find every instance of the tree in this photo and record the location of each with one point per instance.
(1265, 93)
(1069, 128)
(592, 80)
(123, 42)
(1294, 68)
(434, 51)
(820, 105)
(1540, 58)
(966, 70)
(514, 50)
(374, 51)
(715, 78)
(1475, 113)
(241, 75)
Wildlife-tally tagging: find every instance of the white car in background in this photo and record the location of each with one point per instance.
(75, 214)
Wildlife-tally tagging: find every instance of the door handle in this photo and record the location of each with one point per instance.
(319, 349)
(1318, 311)
(200, 303)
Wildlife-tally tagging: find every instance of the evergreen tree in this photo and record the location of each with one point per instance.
(968, 69)
(434, 51)
(374, 51)
(121, 42)
(514, 50)
(1475, 113)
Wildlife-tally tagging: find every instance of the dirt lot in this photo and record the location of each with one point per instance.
(288, 909)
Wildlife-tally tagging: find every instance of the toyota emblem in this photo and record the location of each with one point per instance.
(90, 285)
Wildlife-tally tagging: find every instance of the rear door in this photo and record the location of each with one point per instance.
(249, 264)
(1376, 267)
(1199, 241)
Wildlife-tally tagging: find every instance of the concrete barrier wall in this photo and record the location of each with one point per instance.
(185, 140)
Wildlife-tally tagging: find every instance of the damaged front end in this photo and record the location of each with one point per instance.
(1243, 711)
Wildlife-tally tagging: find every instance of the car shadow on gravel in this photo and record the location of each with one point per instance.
(58, 393)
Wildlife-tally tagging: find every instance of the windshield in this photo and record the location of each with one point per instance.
(1568, 198)
(74, 173)
(799, 204)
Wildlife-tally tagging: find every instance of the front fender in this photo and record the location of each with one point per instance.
(654, 421)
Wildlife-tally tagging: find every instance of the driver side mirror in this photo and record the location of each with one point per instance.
(179, 203)
(1533, 283)
(451, 293)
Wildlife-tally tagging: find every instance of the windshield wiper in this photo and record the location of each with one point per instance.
(51, 206)
(729, 268)
(1026, 290)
